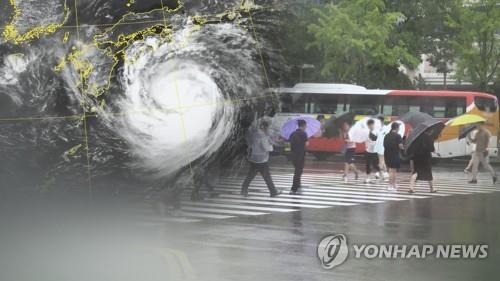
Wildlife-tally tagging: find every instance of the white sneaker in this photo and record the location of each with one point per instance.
(391, 188)
(385, 175)
(344, 178)
(377, 175)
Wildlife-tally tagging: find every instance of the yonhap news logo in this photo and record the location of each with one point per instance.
(333, 250)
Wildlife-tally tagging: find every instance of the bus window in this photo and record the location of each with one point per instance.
(407, 104)
(438, 107)
(387, 110)
(439, 111)
(455, 107)
(324, 104)
(342, 105)
(461, 110)
(414, 108)
(365, 105)
(486, 104)
(427, 106)
(401, 106)
(444, 107)
(387, 106)
(397, 106)
(295, 103)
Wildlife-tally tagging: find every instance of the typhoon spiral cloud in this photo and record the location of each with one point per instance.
(139, 92)
(181, 97)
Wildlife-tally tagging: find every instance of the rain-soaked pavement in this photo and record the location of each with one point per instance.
(259, 238)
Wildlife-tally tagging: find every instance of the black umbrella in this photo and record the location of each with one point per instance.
(464, 131)
(415, 118)
(333, 125)
(435, 125)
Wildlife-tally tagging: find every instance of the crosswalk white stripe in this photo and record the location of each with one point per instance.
(156, 219)
(379, 193)
(324, 200)
(336, 195)
(443, 183)
(310, 195)
(204, 216)
(323, 190)
(265, 203)
(221, 211)
(292, 200)
(401, 174)
(371, 193)
(458, 187)
(339, 192)
(383, 185)
(241, 207)
(421, 193)
(379, 188)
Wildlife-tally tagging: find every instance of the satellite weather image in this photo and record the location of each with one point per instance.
(249, 139)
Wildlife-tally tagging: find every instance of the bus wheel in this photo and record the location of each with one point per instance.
(322, 156)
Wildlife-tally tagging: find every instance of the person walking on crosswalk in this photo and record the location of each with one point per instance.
(379, 149)
(393, 143)
(349, 152)
(372, 161)
(480, 155)
(422, 162)
(298, 143)
(260, 146)
(472, 148)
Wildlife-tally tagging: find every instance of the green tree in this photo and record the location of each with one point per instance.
(294, 40)
(425, 29)
(478, 42)
(358, 42)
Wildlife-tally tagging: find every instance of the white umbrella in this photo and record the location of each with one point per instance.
(359, 132)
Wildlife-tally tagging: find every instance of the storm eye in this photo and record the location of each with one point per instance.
(175, 109)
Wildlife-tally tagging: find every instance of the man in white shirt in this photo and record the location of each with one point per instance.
(372, 161)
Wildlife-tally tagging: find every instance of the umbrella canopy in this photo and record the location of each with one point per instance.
(333, 125)
(360, 131)
(313, 126)
(466, 119)
(466, 130)
(415, 118)
(379, 145)
(435, 127)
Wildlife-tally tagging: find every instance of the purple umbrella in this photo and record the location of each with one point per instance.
(313, 127)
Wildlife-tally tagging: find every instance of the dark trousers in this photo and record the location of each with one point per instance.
(199, 181)
(298, 163)
(372, 163)
(263, 169)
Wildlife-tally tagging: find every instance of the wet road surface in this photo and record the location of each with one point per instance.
(260, 238)
(235, 238)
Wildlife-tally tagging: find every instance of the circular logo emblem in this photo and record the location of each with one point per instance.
(333, 250)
